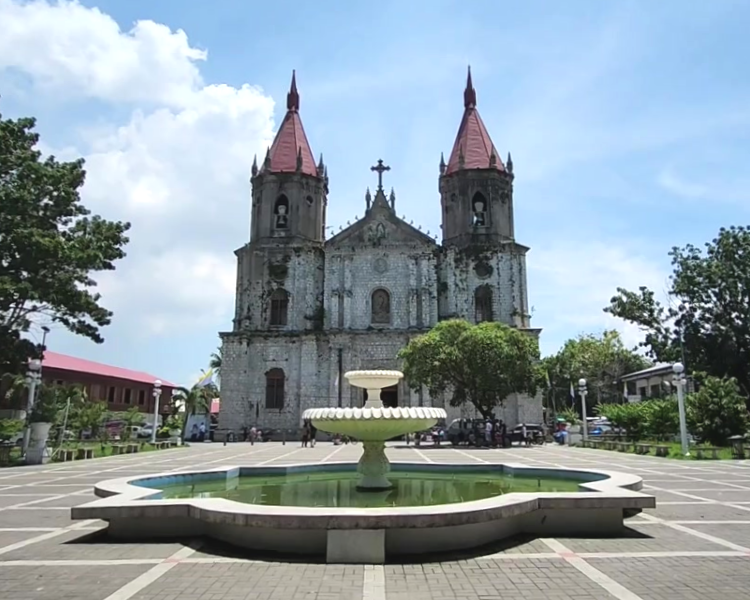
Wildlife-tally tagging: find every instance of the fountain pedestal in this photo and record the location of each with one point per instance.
(373, 467)
(373, 424)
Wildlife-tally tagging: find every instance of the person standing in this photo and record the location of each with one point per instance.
(313, 433)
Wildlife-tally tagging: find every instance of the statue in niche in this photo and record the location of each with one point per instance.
(282, 219)
(376, 234)
(381, 307)
(480, 216)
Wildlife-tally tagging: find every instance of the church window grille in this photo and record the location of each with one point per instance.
(275, 389)
(380, 307)
(479, 210)
(483, 304)
(281, 213)
(279, 308)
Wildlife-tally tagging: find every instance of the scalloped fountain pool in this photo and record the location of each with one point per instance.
(327, 489)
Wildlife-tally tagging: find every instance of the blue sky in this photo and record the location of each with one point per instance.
(628, 123)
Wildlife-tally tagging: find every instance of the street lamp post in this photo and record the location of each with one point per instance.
(157, 393)
(33, 376)
(583, 391)
(679, 382)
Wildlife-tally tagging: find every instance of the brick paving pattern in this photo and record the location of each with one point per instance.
(694, 546)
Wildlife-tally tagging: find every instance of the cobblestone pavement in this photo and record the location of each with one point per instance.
(695, 545)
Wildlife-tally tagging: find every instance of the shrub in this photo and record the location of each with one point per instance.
(630, 417)
(717, 410)
(662, 418)
(9, 428)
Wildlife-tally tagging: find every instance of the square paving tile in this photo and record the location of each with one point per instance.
(683, 578)
(533, 579)
(68, 501)
(694, 511)
(725, 495)
(65, 583)
(87, 545)
(35, 518)
(266, 581)
(734, 532)
(643, 538)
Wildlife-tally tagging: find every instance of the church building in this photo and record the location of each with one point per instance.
(308, 309)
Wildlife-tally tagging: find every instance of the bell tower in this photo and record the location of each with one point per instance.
(289, 189)
(476, 188)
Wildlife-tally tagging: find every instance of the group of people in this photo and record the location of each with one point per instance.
(477, 432)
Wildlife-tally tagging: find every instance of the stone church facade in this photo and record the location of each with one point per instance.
(308, 309)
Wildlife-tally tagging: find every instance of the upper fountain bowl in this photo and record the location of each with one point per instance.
(373, 379)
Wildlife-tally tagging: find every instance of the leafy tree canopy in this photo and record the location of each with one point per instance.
(479, 364)
(710, 290)
(601, 360)
(717, 410)
(49, 245)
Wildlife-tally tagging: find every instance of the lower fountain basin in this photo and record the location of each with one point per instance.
(136, 509)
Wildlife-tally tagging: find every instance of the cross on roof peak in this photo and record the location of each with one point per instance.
(380, 168)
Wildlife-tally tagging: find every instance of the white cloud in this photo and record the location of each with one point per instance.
(177, 170)
(78, 51)
(571, 283)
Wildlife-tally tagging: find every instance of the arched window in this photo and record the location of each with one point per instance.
(380, 307)
(275, 389)
(281, 213)
(279, 307)
(483, 304)
(479, 210)
(310, 200)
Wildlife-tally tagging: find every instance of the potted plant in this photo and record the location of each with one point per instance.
(43, 415)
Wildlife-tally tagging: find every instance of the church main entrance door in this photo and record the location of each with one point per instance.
(388, 395)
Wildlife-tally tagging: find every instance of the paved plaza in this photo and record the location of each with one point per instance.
(694, 546)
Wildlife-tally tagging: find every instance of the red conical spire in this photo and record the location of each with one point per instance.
(290, 151)
(292, 98)
(473, 148)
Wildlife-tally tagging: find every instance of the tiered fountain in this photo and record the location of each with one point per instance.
(373, 424)
(354, 513)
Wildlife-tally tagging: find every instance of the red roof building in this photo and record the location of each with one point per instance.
(120, 388)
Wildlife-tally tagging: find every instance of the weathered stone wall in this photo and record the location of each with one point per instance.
(409, 275)
(263, 269)
(503, 269)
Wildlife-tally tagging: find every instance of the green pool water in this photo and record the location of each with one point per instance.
(340, 489)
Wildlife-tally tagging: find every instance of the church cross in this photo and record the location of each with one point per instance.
(380, 168)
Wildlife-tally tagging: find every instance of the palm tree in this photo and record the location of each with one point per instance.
(215, 363)
(194, 400)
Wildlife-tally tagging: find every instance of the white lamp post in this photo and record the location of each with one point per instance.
(679, 382)
(582, 390)
(157, 393)
(33, 376)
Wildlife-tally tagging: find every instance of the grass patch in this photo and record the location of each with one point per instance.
(675, 451)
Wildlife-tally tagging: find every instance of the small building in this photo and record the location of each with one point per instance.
(654, 382)
(122, 389)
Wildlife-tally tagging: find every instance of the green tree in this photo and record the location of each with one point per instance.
(717, 410)
(707, 324)
(479, 364)
(601, 360)
(631, 417)
(49, 245)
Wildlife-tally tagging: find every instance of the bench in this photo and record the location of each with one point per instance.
(119, 448)
(66, 454)
(700, 452)
(662, 451)
(84, 453)
(133, 448)
(623, 446)
(643, 448)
